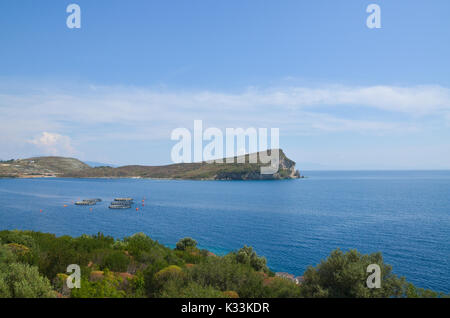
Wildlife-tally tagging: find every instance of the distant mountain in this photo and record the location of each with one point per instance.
(70, 167)
(94, 164)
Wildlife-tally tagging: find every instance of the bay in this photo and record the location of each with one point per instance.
(293, 223)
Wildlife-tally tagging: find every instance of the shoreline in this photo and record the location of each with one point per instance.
(144, 178)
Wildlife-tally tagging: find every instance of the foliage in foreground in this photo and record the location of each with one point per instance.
(343, 275)
(33, 264)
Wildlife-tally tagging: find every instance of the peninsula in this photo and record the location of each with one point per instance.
(74, 168)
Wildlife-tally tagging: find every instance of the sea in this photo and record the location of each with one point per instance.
(293, 223)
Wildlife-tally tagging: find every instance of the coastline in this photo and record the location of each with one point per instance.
(146, 178)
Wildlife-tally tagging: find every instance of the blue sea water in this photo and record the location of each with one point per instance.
(294, 223)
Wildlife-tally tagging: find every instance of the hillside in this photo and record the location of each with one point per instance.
(69, 167)
(41, 167)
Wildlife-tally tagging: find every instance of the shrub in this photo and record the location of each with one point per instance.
(344, 275)
(17, 237)
(277, 287)
(114, 260)
(230, 294)
(226, 274)
(169, 272)
(24, 281)
(186, 243)
(139, 243)
(247, 255)
(174, 289)
(108, 287)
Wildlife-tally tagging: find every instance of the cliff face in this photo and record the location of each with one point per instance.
(286, 170)
(69, 167)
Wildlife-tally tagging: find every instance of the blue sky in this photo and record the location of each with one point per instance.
(344, 96)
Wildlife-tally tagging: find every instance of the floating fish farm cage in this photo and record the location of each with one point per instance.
(118, 203)
(88, 202)
(121, 203)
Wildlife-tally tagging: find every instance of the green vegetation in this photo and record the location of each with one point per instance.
(186, 243)
(19, 279)
(69, 167)
(33, 264)
(344, 275)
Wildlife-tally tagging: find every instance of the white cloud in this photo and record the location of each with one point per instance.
(416, 101)
(131, 113)
(54, 144)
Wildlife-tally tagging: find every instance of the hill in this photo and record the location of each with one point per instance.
(41, 167)
(69, 167)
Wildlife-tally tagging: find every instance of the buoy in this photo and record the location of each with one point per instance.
(137, 209)
(40, 210)
(90, 209)
(65, 205)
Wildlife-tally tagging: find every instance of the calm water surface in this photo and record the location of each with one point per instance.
(294, 223)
